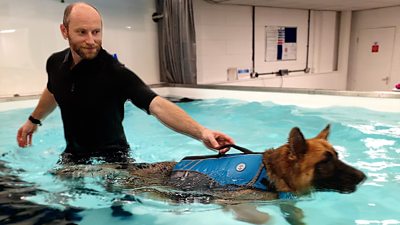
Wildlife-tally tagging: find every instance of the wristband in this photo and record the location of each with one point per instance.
(35, 121)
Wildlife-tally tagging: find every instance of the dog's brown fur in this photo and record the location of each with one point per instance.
(299, 166)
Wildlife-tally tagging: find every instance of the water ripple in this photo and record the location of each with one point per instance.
(379, 128)
(383, 222)
(376, 166)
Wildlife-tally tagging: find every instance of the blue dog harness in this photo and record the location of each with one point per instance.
(243, 170)
(227, 171)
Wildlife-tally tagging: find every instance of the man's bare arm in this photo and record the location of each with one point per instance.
(177, 119)
(46, 105)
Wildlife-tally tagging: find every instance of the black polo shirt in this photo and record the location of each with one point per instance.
(91, 98)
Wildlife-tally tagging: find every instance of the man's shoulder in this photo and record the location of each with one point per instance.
(59, 56)
(113, 62)
(56, 59)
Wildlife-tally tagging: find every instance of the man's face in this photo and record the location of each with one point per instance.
(84, 33)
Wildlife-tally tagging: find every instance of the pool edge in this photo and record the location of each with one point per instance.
(314, 98)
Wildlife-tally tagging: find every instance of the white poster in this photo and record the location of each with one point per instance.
(271, 40)
(289, 51)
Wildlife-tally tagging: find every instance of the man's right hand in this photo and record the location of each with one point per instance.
(24, 135)
(46, 105)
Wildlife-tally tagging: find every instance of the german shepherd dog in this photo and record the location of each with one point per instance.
(298, 167)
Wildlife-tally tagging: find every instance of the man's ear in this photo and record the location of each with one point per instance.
(64, 31)
(324, 133)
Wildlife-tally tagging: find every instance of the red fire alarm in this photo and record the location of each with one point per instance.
(375, 47)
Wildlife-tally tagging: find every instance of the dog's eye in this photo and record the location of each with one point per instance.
(328, 157)
(326, 160)
(325, 167)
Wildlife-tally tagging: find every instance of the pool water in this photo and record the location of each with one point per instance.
(368, 140)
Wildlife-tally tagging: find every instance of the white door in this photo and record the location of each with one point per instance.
(374, 60)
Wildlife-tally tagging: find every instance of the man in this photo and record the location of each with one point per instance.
(91, 87)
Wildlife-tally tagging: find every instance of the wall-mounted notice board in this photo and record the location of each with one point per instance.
(280, 43)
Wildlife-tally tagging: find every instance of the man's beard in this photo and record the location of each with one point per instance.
(85, 52)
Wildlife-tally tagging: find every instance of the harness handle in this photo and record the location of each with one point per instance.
(244, 150)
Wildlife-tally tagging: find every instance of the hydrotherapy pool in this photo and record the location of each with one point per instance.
(368, 139)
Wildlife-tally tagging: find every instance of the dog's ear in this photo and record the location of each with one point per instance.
(324, 133)
(297, 143)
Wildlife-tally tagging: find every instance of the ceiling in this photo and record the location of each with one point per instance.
(337, 5)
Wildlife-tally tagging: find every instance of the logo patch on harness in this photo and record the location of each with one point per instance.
(240, 167)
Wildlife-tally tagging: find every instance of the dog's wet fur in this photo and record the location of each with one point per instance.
(300, 166)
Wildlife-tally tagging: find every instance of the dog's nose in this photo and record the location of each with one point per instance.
(360, 177)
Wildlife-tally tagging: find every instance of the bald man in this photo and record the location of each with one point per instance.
(91, 88)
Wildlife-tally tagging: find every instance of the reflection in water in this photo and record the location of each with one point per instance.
(377, 179)
(379, 128)
(382, 150)
(379, 148)
(385, 222)
(15, 210)
(377, 166)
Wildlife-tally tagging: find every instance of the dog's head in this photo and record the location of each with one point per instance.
(312, 164)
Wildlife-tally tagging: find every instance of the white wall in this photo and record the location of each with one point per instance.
(224, 38)
(377, 18)
(23, 53)
(324, 38)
